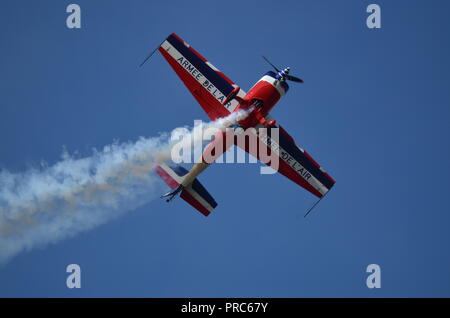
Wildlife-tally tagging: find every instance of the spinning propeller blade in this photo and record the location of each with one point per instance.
(294, 79)
(286, 76)
(276, 69)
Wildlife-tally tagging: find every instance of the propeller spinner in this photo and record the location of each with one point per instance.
(284, 74)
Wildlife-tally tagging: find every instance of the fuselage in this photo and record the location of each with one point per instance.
(263, 96)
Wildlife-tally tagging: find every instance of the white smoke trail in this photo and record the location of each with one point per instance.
(45, 205)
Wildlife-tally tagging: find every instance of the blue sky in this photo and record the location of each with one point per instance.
(373, 111)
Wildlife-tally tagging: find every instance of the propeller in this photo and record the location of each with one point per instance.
(284, 74)
(294, 79)
(276, 68)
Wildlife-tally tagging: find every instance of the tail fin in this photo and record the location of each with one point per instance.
(194, 194)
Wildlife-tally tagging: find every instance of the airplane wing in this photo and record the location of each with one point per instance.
(294, 162)
(208, 85)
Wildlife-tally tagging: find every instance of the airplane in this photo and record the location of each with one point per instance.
(219, 97)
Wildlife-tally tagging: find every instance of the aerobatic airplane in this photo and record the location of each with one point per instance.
(219, 97)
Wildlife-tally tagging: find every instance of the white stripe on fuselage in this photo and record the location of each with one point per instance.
(272, 81)
(275, 83)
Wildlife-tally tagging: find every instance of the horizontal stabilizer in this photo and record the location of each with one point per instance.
(195, 194)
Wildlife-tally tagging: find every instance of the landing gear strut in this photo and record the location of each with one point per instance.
(171, 195)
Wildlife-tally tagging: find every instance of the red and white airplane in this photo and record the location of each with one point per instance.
(219, 97)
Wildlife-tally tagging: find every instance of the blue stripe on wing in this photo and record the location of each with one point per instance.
(300, 157)
(200, 189)
(220, 83)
